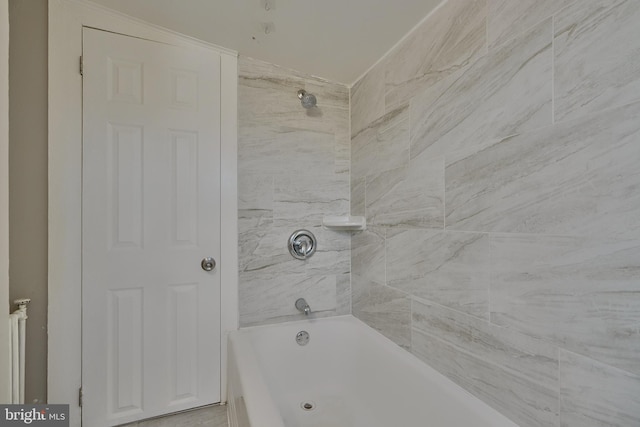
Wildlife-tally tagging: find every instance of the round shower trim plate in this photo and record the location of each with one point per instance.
(302, 244)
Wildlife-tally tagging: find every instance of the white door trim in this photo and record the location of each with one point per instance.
(5, 361)
(66, 19)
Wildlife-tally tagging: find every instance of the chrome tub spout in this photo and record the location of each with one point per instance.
(302, 306)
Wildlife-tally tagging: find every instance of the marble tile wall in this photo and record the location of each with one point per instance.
(495, 155)
(293, 168)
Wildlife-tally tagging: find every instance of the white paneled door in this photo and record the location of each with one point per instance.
(151, 214)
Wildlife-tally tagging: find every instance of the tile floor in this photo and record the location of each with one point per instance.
(211, 416)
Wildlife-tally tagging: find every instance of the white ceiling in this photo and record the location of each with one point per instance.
(334, 39)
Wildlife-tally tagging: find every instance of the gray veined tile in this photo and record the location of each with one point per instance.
(341, 128)
(410, 196)
(505, 92)
(271, 299)
(450, 39)
(307, 199)
(255, 192)
(270, 256)
(575, 178)
(267, 95)
(383, 145)
(593, 394)
(508, 18)
(358, 196)
(384, 309)
(597, 56)
(451, 269)
(367, 99)
(533, 359)
(260, 246)
(329, 94)
(368, 254)
(287, 151)
(293, 167)
(253, 226)
(272, 104)
(517, 397)
(343, 294)
(583, 294)
(276, 133)
(342, 153)
(257, 69)
(264, 75)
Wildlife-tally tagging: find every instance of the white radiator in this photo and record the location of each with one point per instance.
(18, 323)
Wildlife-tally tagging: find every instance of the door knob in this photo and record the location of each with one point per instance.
(208, 264)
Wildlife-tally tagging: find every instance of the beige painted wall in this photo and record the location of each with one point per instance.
(4, 199)
(28, 180)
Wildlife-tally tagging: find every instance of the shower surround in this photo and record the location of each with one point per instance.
(495, 154)
(293, 168)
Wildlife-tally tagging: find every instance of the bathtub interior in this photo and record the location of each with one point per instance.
(352, 376)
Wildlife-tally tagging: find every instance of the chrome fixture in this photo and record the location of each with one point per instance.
(302, 306)
(308, 406)
(307, 100)
(208, 264)
(302, 338)
(268, 5)
(302, 244)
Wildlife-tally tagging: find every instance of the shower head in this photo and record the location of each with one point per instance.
(307, 100)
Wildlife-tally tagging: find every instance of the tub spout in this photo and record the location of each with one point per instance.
(302, 306)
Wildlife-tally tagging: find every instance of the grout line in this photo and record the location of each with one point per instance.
(553, 15)
(410, 114)
(518, 34)
(364, 212)
(595, 114)
(400, 291)
(553, 70)
(385, 257)
(350, 141)
(411, 302)
(426, 301)
(491, 260)
(444, 193)
(593, 361)
(486, 26)
(558, 383)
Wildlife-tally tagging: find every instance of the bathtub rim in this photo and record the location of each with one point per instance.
(261, 409)
(405, 356)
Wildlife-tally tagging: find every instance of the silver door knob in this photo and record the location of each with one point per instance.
(208, 264)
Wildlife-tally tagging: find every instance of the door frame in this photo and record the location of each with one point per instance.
(66, 20)
(5, 361)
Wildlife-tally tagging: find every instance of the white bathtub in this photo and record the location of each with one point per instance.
(351, 374)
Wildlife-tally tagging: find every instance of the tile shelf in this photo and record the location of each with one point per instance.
(345, 223)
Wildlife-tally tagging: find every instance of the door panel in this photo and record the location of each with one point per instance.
(151, 212)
